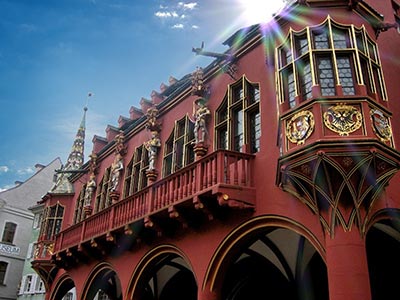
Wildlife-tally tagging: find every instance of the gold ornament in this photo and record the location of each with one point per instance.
(300, 127)
(343, 119)
(380, 125)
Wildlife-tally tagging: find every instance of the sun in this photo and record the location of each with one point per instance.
(258, 11)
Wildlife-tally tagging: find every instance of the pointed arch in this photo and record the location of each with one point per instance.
(382, 242)
(61, 287)
(159, 274)
(104, 279)
(267, 240)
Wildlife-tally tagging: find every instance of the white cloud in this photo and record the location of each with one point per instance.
(4, 169)
(181, 10)
(166, 14)
(178, 26)
(28, 170)
(195, 26)
(189, 6)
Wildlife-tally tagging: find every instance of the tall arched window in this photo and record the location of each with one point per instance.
(53, 217)
(237, 120)
(333, 58)
(135, 175)
(178, 150)
(79, 213)
(9, 232)
(103, 199)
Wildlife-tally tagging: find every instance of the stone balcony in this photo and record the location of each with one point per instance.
(213, 184)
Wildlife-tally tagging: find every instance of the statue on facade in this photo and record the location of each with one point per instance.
(198, 87)
(200, 114)
(120, 147)
(89, 191)
(152, 124)
(152, 147)
(116, 169)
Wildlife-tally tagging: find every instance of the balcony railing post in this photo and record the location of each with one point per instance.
(198, 178)
(214, 169)
(235, 170)
(221, 168)
(83, 231)
(60, 242)
(150, 199)
(111, 219)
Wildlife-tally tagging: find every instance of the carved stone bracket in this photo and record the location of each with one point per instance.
(149, 223)
(88, 211)
(114, 197)
(151, 175)
(224, 200)
(339, 184)
(200, 149)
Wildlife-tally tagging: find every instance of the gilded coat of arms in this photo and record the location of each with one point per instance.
(380, 125)
(343, 119)
(300, 127)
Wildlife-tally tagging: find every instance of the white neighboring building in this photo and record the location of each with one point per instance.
(16, 225)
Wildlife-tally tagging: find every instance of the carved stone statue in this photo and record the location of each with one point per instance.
(116, 169)
(152, 147)
(90, 188)
(198, 87)
(200, 115)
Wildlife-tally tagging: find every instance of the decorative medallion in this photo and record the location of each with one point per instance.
(300, 127)
(380, 125)
(343, 119)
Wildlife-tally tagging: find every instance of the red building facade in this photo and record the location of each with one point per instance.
(271, 173)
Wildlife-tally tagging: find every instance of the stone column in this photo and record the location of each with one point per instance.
(347, 265)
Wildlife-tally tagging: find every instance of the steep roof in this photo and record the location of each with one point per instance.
(31, 191)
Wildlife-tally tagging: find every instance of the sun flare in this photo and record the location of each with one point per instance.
(258, 11)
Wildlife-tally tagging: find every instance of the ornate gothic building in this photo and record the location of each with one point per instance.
(272, 173)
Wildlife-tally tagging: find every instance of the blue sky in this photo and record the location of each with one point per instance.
(54, 52)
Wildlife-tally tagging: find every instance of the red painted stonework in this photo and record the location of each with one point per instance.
(286, 220)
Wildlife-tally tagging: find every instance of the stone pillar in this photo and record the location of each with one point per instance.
(347, 266)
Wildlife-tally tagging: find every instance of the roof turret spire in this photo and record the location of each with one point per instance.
(75, 158)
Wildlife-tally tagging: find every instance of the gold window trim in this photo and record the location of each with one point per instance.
(174, 138)
(352, 51)
(230, 105)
